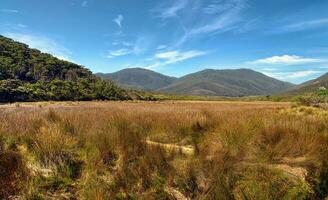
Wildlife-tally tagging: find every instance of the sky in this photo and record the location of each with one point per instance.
(284, 39)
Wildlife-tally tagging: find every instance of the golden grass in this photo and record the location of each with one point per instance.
(164, 150)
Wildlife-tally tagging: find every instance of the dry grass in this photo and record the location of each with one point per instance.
(163, 150)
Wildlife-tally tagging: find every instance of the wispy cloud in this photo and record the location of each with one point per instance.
(222, 23)
(9, 10)
(171, 57)
(269, 69)
(21, 25)
(84, 4)
(43, 44)
(301, 74)
(160, 47)
(119, 52)
(306, 25)
(122, 43)
(290, 76)
(286, 60)
(161, 59)
(320, 50)
(118, 20)
(217, 7)
(171, 10)
(12, 27)
(176, 56)
(137, 47)
(225, 14)
(213, 17)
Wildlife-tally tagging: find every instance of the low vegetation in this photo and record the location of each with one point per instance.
(316, 99)
(163, 150)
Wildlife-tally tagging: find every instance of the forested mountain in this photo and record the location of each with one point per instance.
(139, 78)
(310, 86)
(240, 82)
(29, 75)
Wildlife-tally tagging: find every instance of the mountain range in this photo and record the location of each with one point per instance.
(29, 75)
(209, 82)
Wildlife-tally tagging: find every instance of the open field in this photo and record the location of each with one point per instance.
(163, 150)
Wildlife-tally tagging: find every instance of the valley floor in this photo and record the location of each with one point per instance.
(163, 150)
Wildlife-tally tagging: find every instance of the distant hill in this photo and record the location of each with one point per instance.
(233, 83)
(310, 86)
(240, 82)
(29, 75)
(138, 78)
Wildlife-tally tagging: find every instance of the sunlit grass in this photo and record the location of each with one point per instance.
(155, 150)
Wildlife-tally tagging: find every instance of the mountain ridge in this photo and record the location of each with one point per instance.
(208, 82)
(139, 78)
(310, 86)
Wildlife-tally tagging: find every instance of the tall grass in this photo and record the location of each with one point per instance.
(100, 151)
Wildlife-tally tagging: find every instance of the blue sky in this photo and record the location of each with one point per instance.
(285, 39)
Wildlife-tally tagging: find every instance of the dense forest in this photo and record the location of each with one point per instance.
(29, 75)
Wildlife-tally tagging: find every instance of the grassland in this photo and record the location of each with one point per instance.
(163, 150)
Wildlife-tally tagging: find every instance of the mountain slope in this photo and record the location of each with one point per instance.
(29, 75)
(240, 82)
(310, 86)
(18, 61)
(139, 78)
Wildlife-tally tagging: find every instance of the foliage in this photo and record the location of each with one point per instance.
(12, 90)
(322, 91)
(318, 98)
(29, 75)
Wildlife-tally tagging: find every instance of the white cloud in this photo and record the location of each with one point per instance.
(9, 11)
(155, 65)
(118, 20)
(177, 56)
(133, 66)
(139, 46)
(225, 15)
(217, 17)
(122, 43)
(172, 10)
(160, 47)
(301, 74)
(269, 69)
(84, 3)
(222, 23)
(306, 24)
(292, 75)
(171, 57)
(119, 52)
(286, 60)
(320, 50)
(12, 27)
(21, 26)
(43, 44)
(218, 7)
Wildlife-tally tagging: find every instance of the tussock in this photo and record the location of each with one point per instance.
(163, 150)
